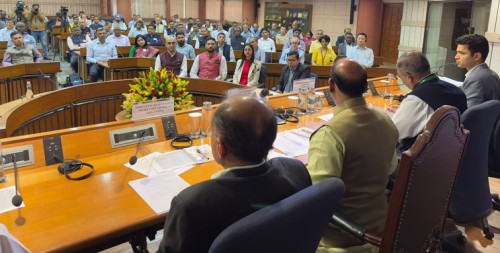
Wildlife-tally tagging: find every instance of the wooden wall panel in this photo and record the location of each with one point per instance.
(213, 9)
(50, 7)
(233, 10)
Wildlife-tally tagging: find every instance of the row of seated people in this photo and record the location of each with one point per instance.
(342, 148)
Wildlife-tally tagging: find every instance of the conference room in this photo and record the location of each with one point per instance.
(88, 127)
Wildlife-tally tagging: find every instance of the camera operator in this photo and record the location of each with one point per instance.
(19, 14)
(36, 20)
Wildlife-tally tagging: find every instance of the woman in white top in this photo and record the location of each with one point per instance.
(247, 70)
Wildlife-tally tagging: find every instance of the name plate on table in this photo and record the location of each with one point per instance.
(304, 83)
(240, 92)
(152, 109)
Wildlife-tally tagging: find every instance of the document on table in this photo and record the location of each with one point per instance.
(291, 144)
(273, 154)
(172, 161)
(9, 243)
(6, 195)
(158, 191)
(326, 117)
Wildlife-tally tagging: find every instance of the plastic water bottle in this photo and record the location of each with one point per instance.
(206, 112)
(29, 91)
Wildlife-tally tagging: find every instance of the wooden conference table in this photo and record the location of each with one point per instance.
(93, 214)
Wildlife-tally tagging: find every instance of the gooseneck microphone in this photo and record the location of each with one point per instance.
(17, 200)
(133, 159)
(440, 67)
(48, 77)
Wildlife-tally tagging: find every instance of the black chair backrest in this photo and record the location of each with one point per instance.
(471, 198)
(423, 187)
(494, 150)
(294, 224)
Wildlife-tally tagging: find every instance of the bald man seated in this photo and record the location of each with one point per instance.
(247, 183)
(358, 146)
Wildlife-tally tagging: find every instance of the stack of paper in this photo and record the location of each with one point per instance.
(291, 144)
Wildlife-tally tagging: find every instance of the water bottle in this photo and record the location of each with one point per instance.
(206, 112)
(3, 176)
(29, 91)
(303, 100)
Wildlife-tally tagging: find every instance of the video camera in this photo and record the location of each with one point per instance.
(20, 5)
(64, 11)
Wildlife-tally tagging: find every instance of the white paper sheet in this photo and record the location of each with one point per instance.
(9, 243)
(291, 144)
(171, 161)
(273, 154)
(326, 117)
(143, 165)
(6, 195)
(158, 191)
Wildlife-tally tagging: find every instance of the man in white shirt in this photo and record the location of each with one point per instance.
(265, 43)
(220, 29)
(172, 60)
(362, 54)
(7, 30)
(117, 38)
(294, 47)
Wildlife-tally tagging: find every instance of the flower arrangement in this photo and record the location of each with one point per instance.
(153, 85)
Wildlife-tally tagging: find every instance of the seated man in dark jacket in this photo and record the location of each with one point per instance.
(247, 183)
(427, 95)
(294, 70)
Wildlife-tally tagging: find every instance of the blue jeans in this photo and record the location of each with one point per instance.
(42, 38)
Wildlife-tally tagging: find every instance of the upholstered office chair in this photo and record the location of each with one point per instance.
(494, 151)
(422, 190)
(294, 224)
(471, 198)
(262, 77)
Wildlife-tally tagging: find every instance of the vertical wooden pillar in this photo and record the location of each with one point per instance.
(370, 13)
(202, 14)
(168, 14)
(125, 8)
(105, 8)
(221, 10)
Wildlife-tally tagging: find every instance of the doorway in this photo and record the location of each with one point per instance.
(391, 31)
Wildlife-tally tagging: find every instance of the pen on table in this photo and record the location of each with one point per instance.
(201, 153)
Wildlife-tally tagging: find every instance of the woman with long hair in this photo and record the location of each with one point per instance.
(323, 56)
(141, 48)
(247, 70)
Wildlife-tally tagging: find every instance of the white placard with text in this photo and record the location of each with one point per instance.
(152, 109)
(304, 83)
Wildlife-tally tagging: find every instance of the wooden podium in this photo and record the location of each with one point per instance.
(13, 79)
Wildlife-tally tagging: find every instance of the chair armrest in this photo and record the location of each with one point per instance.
(342, 221)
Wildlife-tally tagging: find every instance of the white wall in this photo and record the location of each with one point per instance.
(493, 35)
